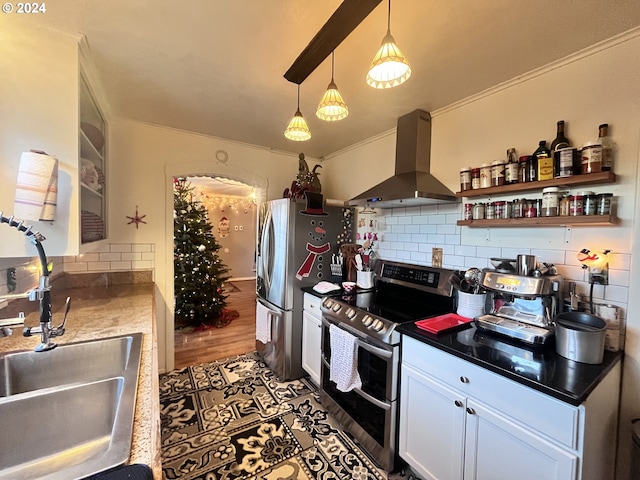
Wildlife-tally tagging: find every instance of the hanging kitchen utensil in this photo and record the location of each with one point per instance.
(472, 277)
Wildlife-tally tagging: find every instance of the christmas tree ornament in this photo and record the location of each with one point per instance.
(137, 219)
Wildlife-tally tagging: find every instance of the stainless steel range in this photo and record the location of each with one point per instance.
(402, 293)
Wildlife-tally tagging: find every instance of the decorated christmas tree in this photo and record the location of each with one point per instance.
(199, 273)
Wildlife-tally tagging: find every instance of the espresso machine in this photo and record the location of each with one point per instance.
(522, 306)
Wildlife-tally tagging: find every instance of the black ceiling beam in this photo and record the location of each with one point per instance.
(343, 21)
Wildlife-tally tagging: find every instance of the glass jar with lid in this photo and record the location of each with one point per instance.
(550, 201)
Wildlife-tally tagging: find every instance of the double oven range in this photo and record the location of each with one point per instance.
(402, 293)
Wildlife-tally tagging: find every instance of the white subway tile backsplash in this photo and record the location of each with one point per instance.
(419, 238)
(131, 256)
(76, 267)
(120, 265)
(514, 252)
(452, 239)
(619, 277)
(436, 238)
(412, 228)
(120, 247)
(437, 219)
(404, 220)
(620, 261)
(446, 229)
(489, 252)
(148, 256)
(98, 266)
(428, 228)
(549, 256)
(465, 250)
(397, 228)
(142, 247)
(141, 265)
(426, 210)
(411, 247)
(420, 258)
(87, 257)
(613, 293)
(420, 219)
(109, 257)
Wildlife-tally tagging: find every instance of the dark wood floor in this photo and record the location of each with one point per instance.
(217, 343)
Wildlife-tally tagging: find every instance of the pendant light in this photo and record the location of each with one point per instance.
(332, 107)
(389, 67)
(297, 129)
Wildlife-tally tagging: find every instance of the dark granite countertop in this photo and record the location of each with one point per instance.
(539, 368)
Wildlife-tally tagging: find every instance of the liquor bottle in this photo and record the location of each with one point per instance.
(561, 141)
(607, 147)
(511, 169)
(542, 162)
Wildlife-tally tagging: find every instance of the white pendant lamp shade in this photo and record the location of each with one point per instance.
(332, 107)
(298, 129)
(389, 67)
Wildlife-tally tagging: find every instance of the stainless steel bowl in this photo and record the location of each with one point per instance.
(580, 337)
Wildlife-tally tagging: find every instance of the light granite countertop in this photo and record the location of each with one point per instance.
(106, 311)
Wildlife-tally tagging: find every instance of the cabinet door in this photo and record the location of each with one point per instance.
(432, 422)
(498, 449)
(311, 346)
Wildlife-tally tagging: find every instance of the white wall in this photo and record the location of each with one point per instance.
(595, 86)
(144, 160)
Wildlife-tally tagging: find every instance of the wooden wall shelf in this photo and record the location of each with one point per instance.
(583, 220)
(588, 179)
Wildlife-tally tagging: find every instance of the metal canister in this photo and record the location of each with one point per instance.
(490, 211)
(468, 211)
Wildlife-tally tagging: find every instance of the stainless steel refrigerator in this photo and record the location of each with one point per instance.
(295, 244)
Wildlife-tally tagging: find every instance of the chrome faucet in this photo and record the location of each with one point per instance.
(42, 293)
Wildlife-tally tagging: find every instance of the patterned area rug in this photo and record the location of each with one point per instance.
(233, 419)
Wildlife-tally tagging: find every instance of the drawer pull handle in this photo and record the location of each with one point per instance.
(458, 403)
(464, 379)
(471, 411)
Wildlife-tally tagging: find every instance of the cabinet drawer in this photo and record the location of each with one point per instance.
(312, 304)
(551, 417)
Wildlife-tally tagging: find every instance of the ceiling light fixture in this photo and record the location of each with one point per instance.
(298, 129)
(389, 67)
(332, 106)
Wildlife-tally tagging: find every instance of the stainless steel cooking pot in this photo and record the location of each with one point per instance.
(580, 336)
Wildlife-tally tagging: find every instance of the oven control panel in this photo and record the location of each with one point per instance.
(366, 323)
(428, 279)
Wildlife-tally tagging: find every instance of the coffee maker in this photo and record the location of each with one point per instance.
(522, 306)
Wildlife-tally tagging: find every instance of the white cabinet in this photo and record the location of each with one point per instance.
(461, 421)
(312, 336)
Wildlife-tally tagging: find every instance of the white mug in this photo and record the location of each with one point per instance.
(364, 279)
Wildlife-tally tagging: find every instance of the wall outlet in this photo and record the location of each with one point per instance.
(436, 257)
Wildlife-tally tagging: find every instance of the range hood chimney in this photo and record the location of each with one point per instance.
(412, 183)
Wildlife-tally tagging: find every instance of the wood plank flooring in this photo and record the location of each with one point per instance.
(218, 343)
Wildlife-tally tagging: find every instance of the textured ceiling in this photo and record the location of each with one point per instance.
(216, 66)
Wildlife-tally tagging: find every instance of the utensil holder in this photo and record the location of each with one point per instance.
(471, 305)
(364, 279)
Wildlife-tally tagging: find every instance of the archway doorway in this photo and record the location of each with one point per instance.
(165, 318)
(230, 208)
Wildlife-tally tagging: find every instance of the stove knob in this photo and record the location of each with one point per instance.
(367, 320)
(377, 325)
(327, 303)
(335, 307)
(350, 313)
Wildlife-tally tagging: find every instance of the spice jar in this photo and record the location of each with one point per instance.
(530, 210)
(490, 211)
(550, 201)
(485, 175)
(590, 204)
(604, 203)
(563, 208)
(503, 209)
(523, 169)
(475, 178)
(468, 211)
(519, 207)
(576, 206)
(591, 157)
(497, 173)
(478, 211)
(465, 179)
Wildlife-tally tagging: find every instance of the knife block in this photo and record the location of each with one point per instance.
(349, 252)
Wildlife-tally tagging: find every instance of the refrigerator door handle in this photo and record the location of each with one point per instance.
(266, 256)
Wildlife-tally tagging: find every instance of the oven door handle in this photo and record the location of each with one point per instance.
(381, 352)
(365, 395)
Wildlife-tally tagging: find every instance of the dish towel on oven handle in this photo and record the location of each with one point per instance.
(263, 323)
(344, 359)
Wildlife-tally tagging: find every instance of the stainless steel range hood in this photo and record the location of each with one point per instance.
(412, 183)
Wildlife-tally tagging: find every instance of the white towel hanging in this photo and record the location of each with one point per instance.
(344, 360)
(263, 324)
